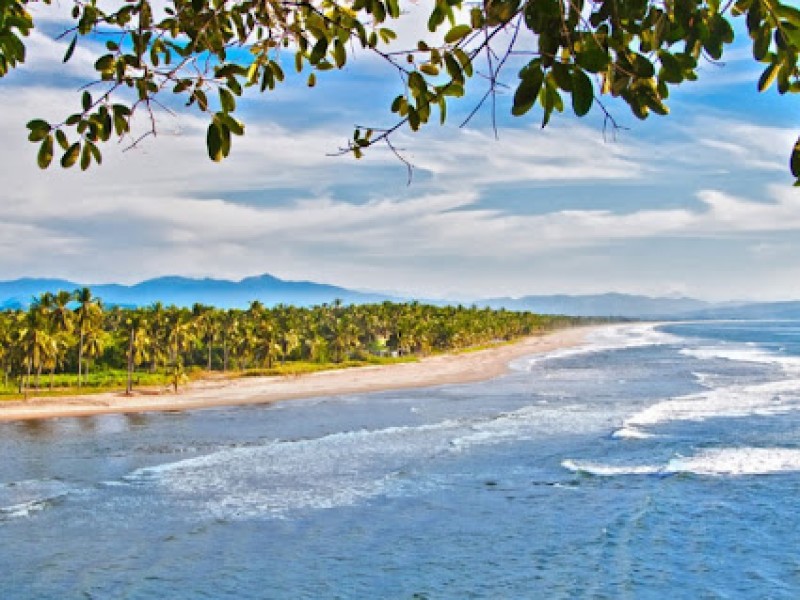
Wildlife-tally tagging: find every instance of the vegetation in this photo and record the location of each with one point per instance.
(69, 340)
(572, 54)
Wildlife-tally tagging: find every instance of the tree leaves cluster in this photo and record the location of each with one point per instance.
(574, 55)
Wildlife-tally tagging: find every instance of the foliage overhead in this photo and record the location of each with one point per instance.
(575, 53)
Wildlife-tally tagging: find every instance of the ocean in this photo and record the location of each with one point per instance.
(655, 461)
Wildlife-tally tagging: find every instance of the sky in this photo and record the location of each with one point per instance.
(699, 203)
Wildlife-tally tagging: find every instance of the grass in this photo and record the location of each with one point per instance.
(115, 380)
(303, 367)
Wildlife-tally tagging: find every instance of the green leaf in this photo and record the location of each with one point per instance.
(416, 83)
(582, 93)
(45, 155)
(214, 142)
(794, 162)
(98, 158)
(429, 69)
(413, 118)
(71, 155)
(70, 49)
(670, 71)
(527, 91)
(642, 67)
(104, 63)
(318, 52)
(436, 19)
(62, 140)
(454, 89)
(396, 103)
(761, 41)
(457, 33)
(339, 54)
(594, 59)
(561, 75)
(453, 68)
(86, 157)
(768, 76)
(226, 100)
(235, 126)
(39, 130)
(465, 61)
(202, 99)
(789, 13)
(393, 8)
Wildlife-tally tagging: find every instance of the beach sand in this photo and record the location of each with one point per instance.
(207, 393)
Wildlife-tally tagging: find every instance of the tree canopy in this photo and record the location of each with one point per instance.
(65, 332)
(574, 54)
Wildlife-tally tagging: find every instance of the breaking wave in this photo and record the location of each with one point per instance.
(711, 462)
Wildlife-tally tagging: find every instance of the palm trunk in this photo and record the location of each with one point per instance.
(129, 385)
(28, 380)
(80, 358)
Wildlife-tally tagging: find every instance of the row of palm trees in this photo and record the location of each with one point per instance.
(68, 332)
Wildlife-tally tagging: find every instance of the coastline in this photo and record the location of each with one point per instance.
(443, 369)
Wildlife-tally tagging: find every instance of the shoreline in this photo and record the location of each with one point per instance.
(442, 369)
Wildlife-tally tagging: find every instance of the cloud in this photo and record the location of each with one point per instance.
(164, 208)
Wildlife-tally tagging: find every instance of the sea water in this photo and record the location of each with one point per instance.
(655, 461)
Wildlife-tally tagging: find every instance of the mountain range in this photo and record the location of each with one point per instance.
(270, 290)
(184, 291)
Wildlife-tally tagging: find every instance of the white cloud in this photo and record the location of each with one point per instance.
(164, 208)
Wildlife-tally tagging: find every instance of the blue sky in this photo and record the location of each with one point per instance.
(698, 203)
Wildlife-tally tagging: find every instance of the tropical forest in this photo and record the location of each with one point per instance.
(67, 342)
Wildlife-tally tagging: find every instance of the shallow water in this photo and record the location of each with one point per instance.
(653, 461)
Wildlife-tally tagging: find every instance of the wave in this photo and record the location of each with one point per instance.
(278, 477)
(20, 499)
(712, 462)
(613, 337)
(283, 476)
(764, 399)
(749, 353)
(609, 470)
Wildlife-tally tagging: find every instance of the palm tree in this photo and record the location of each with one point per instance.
(138, 345)
(87, 313)
(180, 337)
(207, 326)
(229, 325)
(36, 344)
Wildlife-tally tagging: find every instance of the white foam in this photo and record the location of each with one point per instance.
(734, 462)
(707, 380)
(630, 433)
(21, 499)
(279, 477)
(739, 461)
(613, 337)
(745, 353)
(764, 399)
(609, 470)
(341, 469)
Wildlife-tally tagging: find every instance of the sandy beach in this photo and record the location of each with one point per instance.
(436, 370)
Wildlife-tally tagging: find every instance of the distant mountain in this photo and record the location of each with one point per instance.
(602, 305)
(754, 310)
(269, 290)
(183, 291)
